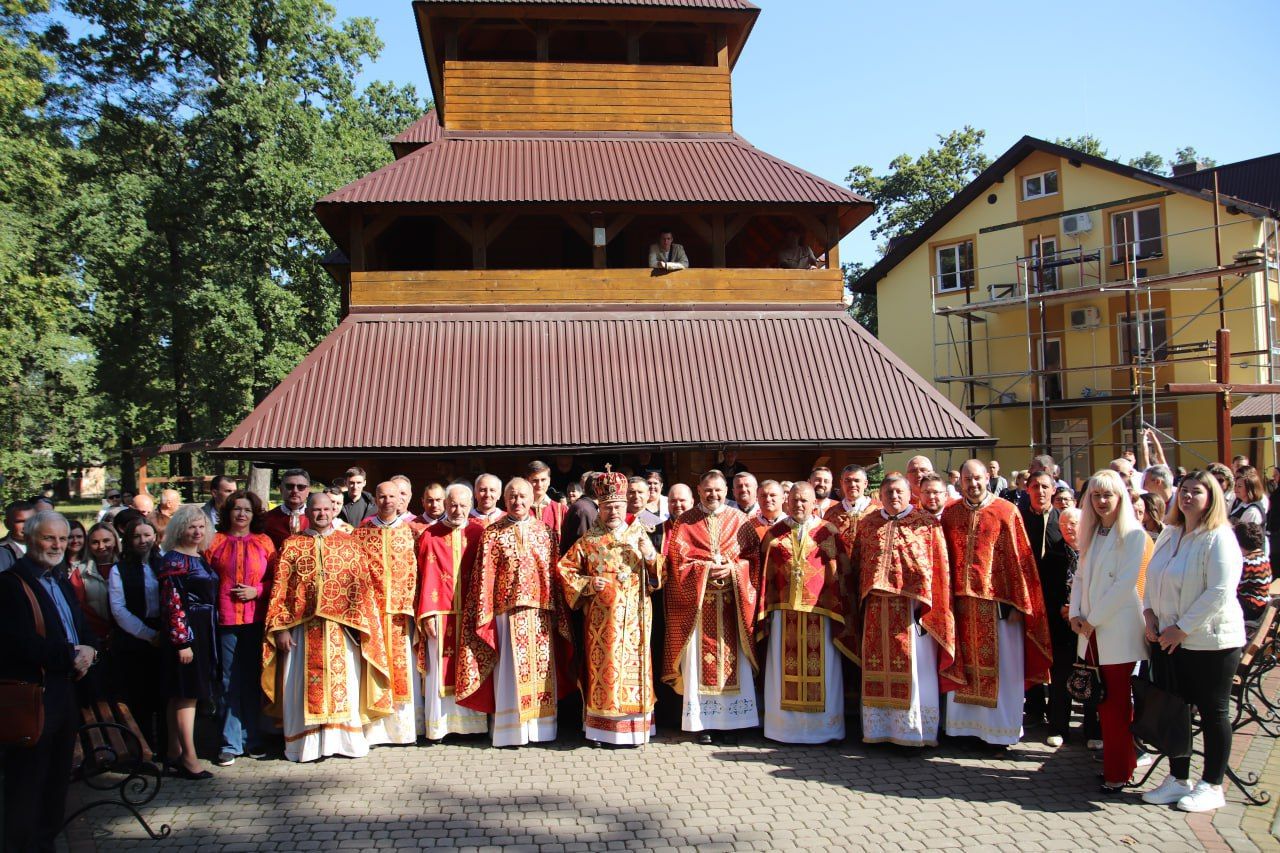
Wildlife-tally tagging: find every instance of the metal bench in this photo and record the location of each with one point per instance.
(112, 755)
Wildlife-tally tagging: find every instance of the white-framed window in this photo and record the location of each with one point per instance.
(955, 266)
(1135, 234)
(1144, 333)
(1039, 185)
(1044, 278)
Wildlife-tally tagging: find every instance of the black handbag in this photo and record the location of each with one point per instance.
(1085, 683)
(1161, 718)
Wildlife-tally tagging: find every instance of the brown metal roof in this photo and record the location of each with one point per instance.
(542, 377)
(424, 131)
(498, 168)
(1257, 409)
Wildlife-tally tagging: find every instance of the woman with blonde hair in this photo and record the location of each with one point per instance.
(1106, 612)
(189, 604)
(1193, 616)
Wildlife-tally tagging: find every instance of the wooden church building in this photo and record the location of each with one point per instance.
(498, 298)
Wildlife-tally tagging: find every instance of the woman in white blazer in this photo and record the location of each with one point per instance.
(1106, 612)
(1193, 615)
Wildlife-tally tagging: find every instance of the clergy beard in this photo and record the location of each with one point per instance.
(454, 524)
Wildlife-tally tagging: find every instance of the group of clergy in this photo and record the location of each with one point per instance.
(400, 628)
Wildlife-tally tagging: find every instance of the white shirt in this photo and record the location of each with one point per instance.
(492, 515)
(1191, 583)
(859, 506)
(131, 624)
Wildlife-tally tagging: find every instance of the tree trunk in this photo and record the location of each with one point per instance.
(260, 482)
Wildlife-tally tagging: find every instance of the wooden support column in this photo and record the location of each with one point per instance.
(718, 241)
(722, 48)
(140, 485)
(1223, 397)
(833, 243)
(543, 34)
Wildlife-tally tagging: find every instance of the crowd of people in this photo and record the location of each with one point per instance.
(341, 619)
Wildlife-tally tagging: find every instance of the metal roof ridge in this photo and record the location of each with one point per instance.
(590, 135)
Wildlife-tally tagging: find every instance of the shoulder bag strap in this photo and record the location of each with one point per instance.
(36, 612)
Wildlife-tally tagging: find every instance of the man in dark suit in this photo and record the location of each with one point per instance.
(36, 777)
(1052, 561)
(581, 515)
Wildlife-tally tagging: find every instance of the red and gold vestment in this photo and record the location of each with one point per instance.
(903, 576)
(322, 583)
(618, 620)
(799, 570)
(445, 559)
(390, 553)
(725, 611)
(991, 565)
(514, 575)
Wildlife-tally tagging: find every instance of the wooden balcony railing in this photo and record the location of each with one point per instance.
(588, 286)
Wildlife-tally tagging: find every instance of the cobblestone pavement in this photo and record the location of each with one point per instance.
(677, 794)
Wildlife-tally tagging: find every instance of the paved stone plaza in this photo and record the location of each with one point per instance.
(676, 794)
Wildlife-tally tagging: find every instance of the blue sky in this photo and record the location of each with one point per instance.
(827, 84)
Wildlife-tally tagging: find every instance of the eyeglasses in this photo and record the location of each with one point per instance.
(296, 487)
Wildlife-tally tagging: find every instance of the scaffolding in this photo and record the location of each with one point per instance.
(1047, 289)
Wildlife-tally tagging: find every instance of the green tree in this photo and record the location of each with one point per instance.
(1188, 154)
(1150, 161)
(915, 188)
(208, 129)
(50, 418)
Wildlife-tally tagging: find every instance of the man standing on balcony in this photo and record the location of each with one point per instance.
(795, 255)
(667, 255)
(711, 596)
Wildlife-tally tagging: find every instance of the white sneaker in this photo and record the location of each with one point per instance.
(1145, 759)
(1053, 740)
(1094, 745)
(1203, 798)
(1171, 790)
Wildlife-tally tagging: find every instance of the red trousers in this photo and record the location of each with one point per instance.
(1115, 715)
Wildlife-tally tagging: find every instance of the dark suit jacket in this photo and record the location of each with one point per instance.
(22, 653)
(582, 514)
(1053, 562)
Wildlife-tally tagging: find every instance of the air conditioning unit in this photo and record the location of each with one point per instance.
(1077, 223)
(1085, 318)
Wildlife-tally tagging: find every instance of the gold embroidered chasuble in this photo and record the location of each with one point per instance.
(618, 620)
(902, 567)
(801, 581)
(323, 584)
(391, 555)
(514, 575)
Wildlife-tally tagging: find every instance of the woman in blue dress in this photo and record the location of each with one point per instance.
(189, 596)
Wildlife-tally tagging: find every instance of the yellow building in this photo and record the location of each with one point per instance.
(1057, 296)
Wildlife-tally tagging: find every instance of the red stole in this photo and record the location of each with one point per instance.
(727, 609)
(445, 559)
(800, 580)
(276, 525)
(992, 564)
